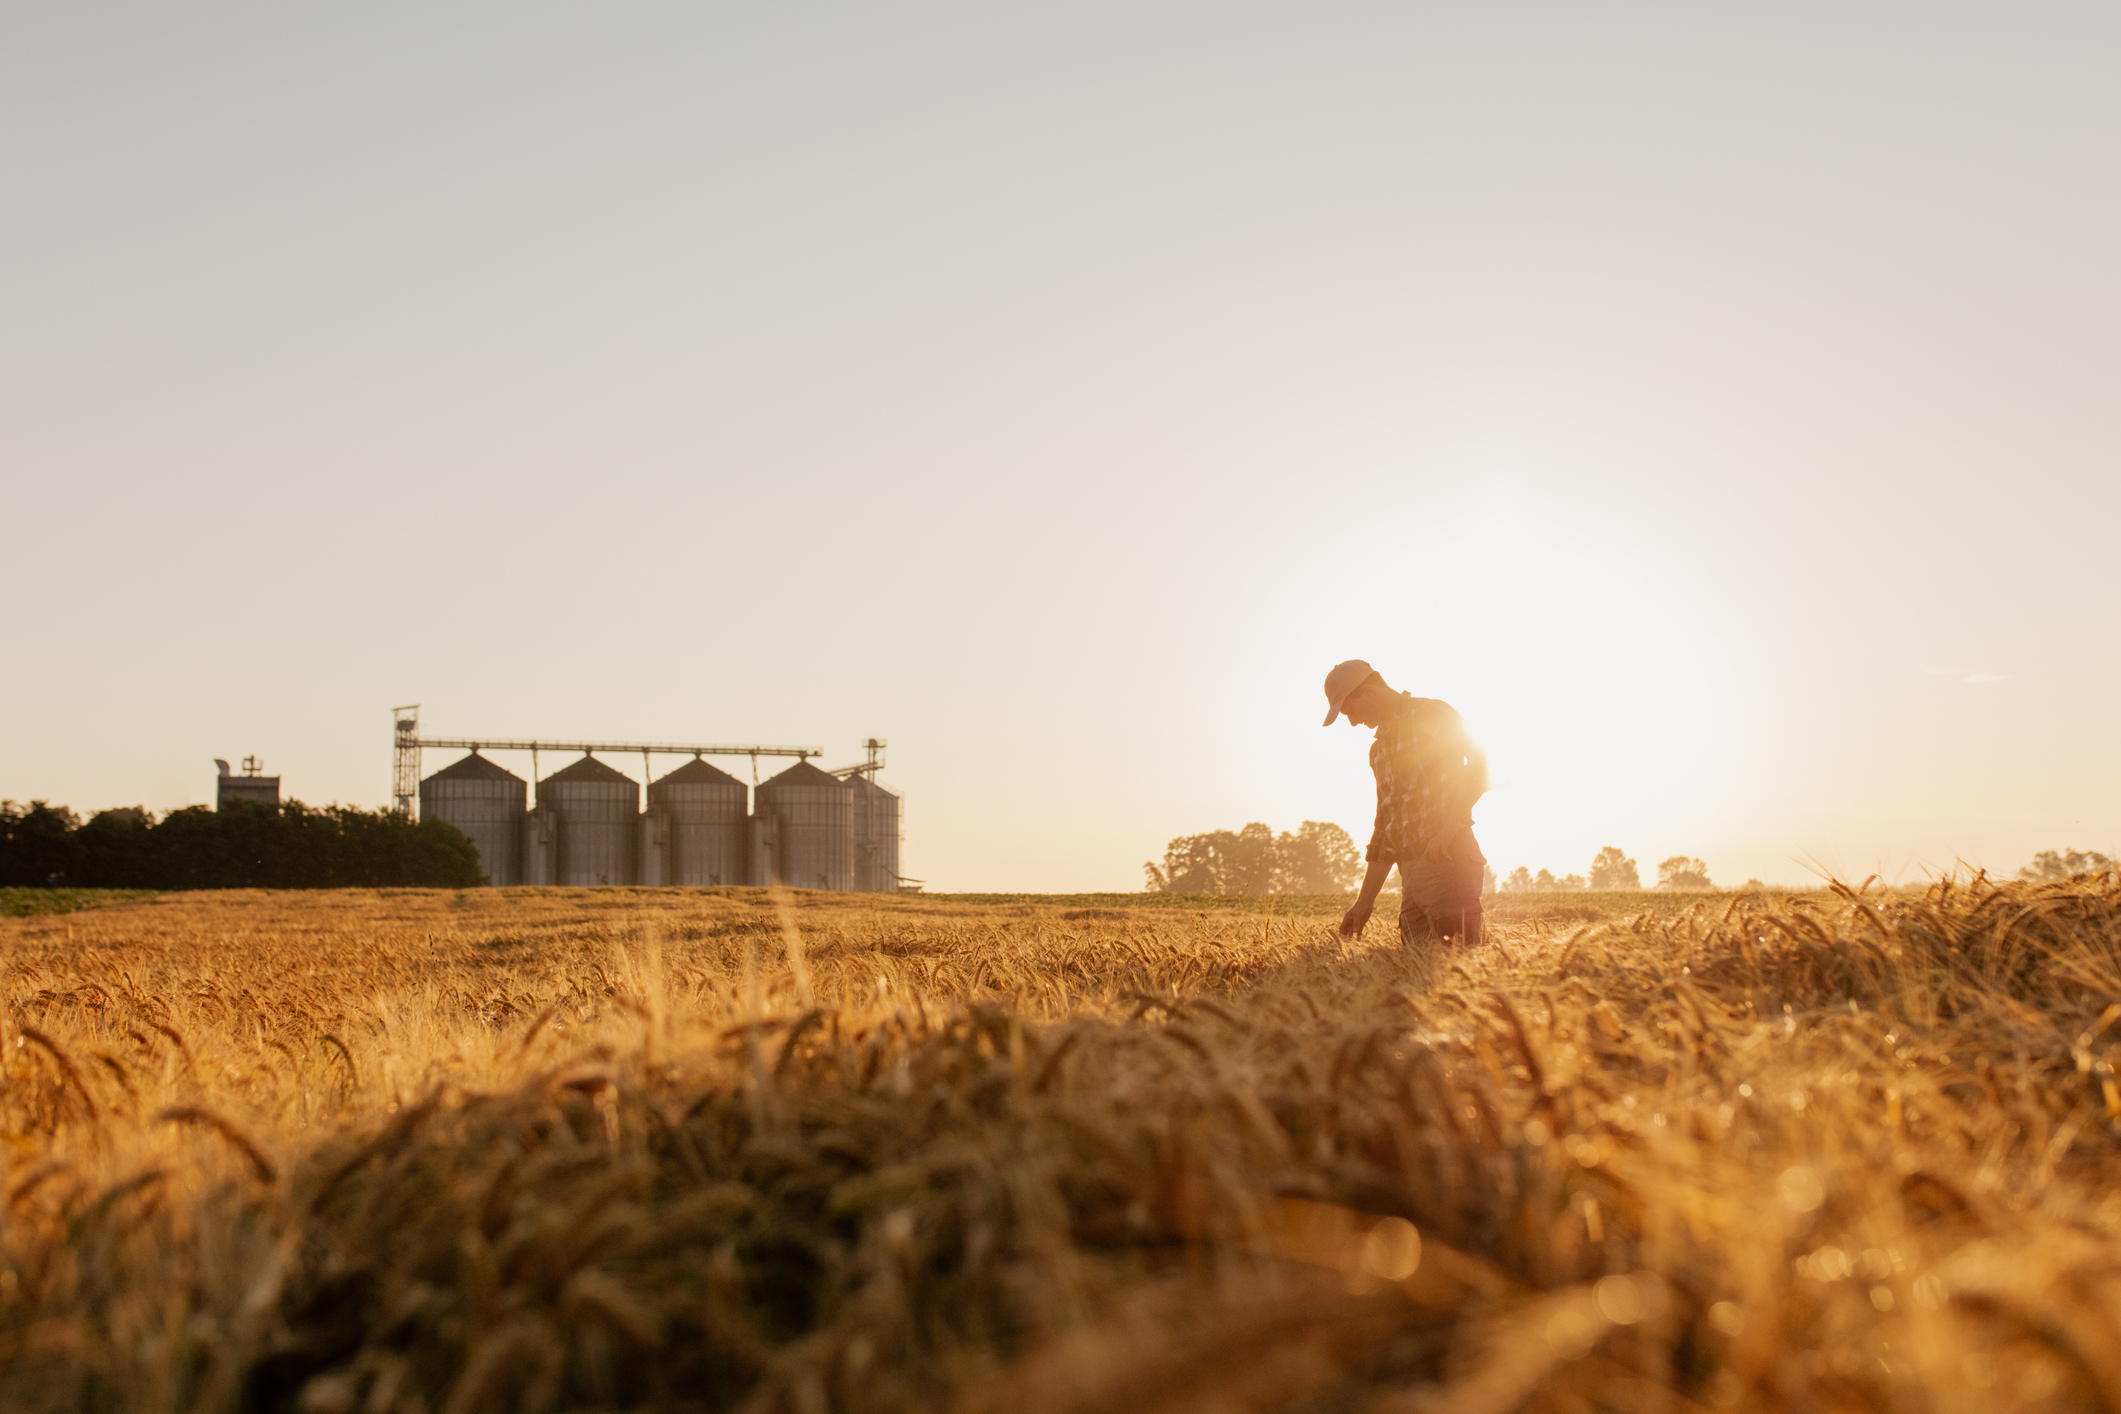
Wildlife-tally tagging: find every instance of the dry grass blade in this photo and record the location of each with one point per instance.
(353, 1072)
(228, 1129)
(66, 1066)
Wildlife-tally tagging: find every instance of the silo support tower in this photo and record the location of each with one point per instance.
(405, 759)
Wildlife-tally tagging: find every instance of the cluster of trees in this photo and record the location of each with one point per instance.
(288, 846)
(1319, 858)
(1681, 872)
(1523, 881)
(1612, 869)
(2065, 864)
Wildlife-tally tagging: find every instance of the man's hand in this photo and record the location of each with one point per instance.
(1373, 879)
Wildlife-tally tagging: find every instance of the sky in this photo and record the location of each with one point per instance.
(1716, 404)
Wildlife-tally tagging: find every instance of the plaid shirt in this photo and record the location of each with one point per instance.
(1428, 776)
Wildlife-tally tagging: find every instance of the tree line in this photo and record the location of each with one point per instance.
(1318, 858)
(246, 846)
(1612, 869)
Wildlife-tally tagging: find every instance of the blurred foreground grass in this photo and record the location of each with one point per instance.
(670, 1149)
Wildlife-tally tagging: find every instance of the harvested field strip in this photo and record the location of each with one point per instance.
(545, 1150)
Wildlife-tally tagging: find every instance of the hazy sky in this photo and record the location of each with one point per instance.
(1718, 404)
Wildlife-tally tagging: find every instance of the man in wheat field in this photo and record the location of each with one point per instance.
(1429, 774)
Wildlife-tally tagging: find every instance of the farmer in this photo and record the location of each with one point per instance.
(1429, 774)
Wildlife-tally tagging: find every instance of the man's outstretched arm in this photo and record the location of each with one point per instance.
(1373, 879)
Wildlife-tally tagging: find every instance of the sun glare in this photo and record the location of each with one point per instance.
(1595, 684)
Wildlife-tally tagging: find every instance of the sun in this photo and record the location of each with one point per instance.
(1595, 684)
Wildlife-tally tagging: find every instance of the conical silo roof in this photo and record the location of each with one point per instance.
(474, 768)
(802, 773)
(698, 773)
(589, 769)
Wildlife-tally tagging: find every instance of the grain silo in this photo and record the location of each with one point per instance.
(807, 822)
(598, 812)
(487, 803)
(704, 824)
(876, 835)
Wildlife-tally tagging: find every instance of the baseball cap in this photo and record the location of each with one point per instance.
(1344, 679)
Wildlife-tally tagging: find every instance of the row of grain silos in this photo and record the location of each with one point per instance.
(809, 830)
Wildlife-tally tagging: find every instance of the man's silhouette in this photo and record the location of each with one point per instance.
(1429, 774)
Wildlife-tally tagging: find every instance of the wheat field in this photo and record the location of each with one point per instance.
(731, 1149)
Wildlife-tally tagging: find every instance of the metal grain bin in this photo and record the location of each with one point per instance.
(876, 836)
(809, 821)
(487, 802)
(599, 812)
(704, 811)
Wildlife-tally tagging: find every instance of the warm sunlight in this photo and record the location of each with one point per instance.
(670, 662)
(1584, 667)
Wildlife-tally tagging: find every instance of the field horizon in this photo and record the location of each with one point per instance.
(30, 902)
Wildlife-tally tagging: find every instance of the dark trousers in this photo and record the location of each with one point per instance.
(1441, 898)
